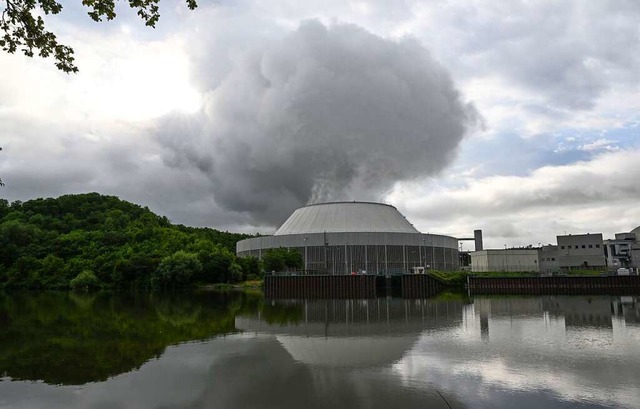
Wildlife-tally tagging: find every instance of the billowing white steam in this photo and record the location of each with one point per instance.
(325, 113)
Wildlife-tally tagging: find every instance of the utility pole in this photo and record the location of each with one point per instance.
(305, 254)
(350, 259)
(326, 244)
(346, 262)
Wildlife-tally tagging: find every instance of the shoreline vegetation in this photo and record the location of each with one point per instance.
(248, 285)
(93, 241)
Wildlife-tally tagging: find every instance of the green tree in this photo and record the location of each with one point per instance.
(86, 280)
(282, 259)
(137, 269)
(51, 270)
(4, 207)
(24, 29)
(23, 273)
(293, 259)
(235, 272)
(176, 270)
(273, 260)
(250, 266)
(45, 243)
(216, 261)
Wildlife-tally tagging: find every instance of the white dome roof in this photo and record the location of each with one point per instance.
(346, 217)
(347, 351)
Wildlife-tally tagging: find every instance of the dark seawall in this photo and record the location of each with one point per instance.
(618, 285)
(424, 285)
(320, 286)
(351, 286)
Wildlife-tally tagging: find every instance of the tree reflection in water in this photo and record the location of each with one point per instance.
(75, 338)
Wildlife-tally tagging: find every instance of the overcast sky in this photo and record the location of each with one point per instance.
(519, 118)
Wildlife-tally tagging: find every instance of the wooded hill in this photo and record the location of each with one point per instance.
(92, 240)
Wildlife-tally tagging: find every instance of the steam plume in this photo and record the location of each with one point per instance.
(325, 113)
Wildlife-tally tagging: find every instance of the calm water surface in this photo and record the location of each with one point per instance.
(209, 350)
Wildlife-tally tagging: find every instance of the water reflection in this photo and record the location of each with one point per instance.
(356, 333)
(71, 338)
(486, 352)
(578, 351)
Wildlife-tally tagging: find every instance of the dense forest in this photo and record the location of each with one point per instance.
(92, 240)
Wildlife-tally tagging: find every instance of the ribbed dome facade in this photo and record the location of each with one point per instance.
(356, 237)
(346, 217)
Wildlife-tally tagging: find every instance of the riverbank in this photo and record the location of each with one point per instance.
(245, 285)
(459, 278)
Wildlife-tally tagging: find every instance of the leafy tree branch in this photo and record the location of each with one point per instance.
(23, 29)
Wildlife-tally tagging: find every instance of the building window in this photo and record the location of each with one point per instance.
(590, 246)
(553, 259)
(597, 246)
(576, 246)
(562, 247)
(583, 246)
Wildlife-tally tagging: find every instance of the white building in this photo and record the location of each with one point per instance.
(505, 260)
(548, 259)
(581, 252)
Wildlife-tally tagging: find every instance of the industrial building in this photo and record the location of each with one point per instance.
(581, 252)
(360, 237)
(590, 252)
(505, 260)
(623, 251)
(548, 259)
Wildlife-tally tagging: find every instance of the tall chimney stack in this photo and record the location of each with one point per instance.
(477, 235)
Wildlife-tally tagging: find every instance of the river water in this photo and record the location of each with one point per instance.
(238, 350)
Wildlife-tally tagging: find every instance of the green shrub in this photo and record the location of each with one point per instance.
(451, 278)
(282, 259)
(176, 270)
(85, 280)
(235, 272)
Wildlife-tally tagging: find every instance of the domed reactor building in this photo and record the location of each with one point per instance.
(362, 237)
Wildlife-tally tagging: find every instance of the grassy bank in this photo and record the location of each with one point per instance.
(458, 279)
(450, 278)
(245, 285)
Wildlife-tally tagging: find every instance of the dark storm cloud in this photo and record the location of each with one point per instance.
(324, 113)
(69, 162)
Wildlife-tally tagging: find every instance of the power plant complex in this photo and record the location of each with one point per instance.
(341, 238)
(357, 237)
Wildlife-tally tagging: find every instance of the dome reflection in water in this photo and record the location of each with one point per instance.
(242, 351)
